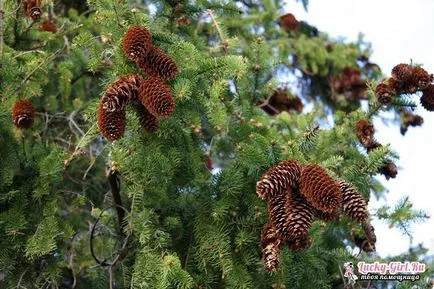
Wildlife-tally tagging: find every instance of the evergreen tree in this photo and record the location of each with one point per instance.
(139, 139)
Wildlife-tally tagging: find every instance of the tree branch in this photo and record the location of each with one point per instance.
(114, 183)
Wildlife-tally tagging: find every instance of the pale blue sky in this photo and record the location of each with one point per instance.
(399, 30)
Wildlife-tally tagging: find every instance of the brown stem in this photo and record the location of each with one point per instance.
(2, 13)
(114, 183)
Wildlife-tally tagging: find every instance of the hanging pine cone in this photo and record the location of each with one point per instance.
(32, 9)
(282, 100)
(367, 242)
(137, 42)
(270, 244)
(23, 114)
(48, 26)
(373, 145)
(420, 78)
(389, 170)
(409, 119)
(278, 214)
(120, 92)
(289, 22)
(158, 63)
(279, 179)
(353, 203)
(427, 99)
(147, 121)
(300, 244)
(365, 131)
(397, 85)
(111, 124)
(324, 216)
(320, 189)
(384, 93)
(402, 72)
(157, 97)
(299, 216)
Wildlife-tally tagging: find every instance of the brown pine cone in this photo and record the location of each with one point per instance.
(402, 72)
(120, 92)
(277, 213)
(320, 189)
(270, 244)
(157, 63)
(137, 43)
(324, 216)
(111, 124)
(427, 99)
(397, 85)
(373, 145)
(289, 22)
(23, 114)
(384, 93)
(300, 244)
(279, 179)
(409, 119)
(157, 97)
(353, 203)
(367, 242)
(389, 170)
(420, 78)
(32, 9)
(299, 216)
(365, 131)
(147, 121)
(48, 26)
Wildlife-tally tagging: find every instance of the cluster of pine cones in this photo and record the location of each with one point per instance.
(282, 100)
(297, 195)
(33, 10)
(151, 97)
(350, 84)
(365, 133)
(407, 79)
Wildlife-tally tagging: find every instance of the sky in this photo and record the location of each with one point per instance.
(399, 31)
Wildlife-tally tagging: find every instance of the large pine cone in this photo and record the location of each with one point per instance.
(320, 189)
(23, 114)
(158, 63)
(121, 92)
(270, 244)
(300, 244)
(157, 97)
(427, 99)
(354, 205)
(137, 42)
(299, 216)
(111, 124)
(147, 121)
(277, 212)
(279, 179)
(324, 216)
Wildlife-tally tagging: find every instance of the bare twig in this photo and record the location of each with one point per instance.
(114, 183)
(2, 13)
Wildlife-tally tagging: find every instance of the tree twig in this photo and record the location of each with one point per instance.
(2, 13)
(114, 183)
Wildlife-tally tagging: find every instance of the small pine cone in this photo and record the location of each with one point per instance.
(111, 124)
(158, 63)
(300, 244)
(279, 179)
(389, 170)
(120, 92)
(420, 78)
(427, 99)
(365, 131)
(23, 114)
(353, 203)
(147, 121)
(289, 22)
(270, 244)
(397, 85)
(373, 145)
(367, 242)
(137, 42)
(402, 72)
(384, 93)
(299, 216)
(324, 216)
(48, 26)
(157, 97)
(32, 9)
(320, 189)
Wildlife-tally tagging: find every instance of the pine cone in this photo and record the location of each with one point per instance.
(367, 242)
(324, 216)
(277, 212)
(373, 144)
(354, 205)
(157, 63)
(365, 131)
(320, 189)
(402, 72)
(420, 78)
(279, 179)
(137, 43)
(296, 104)
(389, 170)
(157, 97)
(300, 244)
(270, 244)
(23, 114)
(299, 216)
(397, 85)
(48, 26)
(147, 121)
(409, 119)
(32, 9)
(427, 99)
(289, 22)
(111, 124)
(384, 93)
(120, 92)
